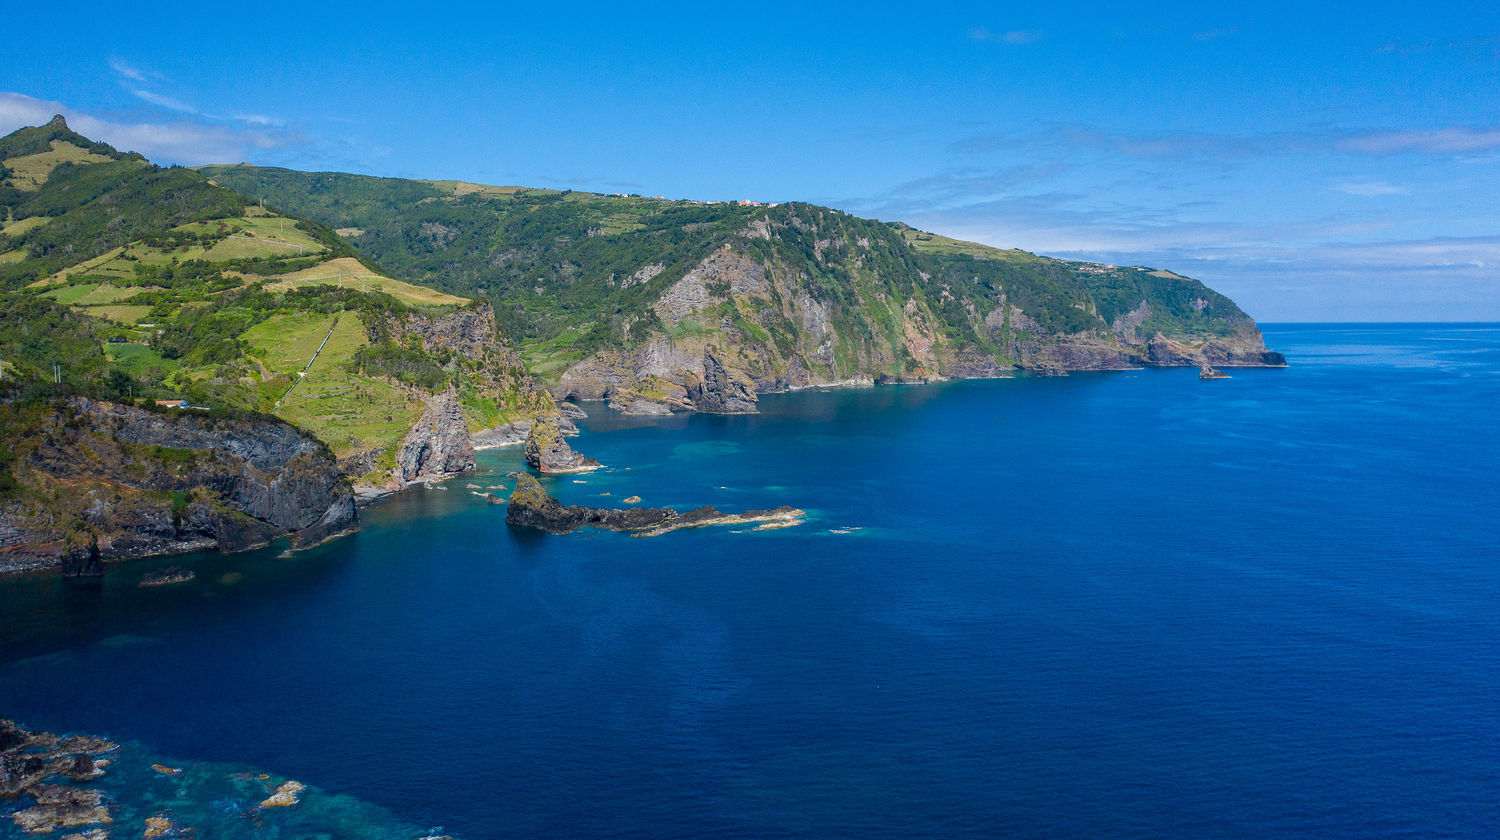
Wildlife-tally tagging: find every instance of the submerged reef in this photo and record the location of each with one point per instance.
(81, 787)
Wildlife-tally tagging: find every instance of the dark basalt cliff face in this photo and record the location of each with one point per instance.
(438, 445)
(721, 390)
(105, 481)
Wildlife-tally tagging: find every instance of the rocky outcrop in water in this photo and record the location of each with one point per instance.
(167, 576)
(103, 481)
(1210, 372)
(516, 432)
(548, 451)
(721, 390)
(438, 445)
(531, 506)
(39, 766)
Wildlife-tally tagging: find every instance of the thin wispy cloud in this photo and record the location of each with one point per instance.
(1014, 37)
(187, 141)
(1171, 145)
(1455, 140)
(133, 77)
(960, 188)
(1213, 34)
(128, 70)
(1188, 145)
(1369, 189)
(163, 101)
(1111, 197)
(258, 119)
(1485, 43)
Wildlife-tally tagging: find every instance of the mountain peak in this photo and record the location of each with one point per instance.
(58, 121)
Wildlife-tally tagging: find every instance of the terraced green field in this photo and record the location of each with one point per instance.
(127, 314)
(136, 359)
(285, 343)
(351, 273)
(348, 411)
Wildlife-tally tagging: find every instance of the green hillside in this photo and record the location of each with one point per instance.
(822, 296)
(124, 280)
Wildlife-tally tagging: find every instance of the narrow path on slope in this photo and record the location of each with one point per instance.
(305, 368)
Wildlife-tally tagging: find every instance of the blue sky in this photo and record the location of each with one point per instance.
(1314, 163)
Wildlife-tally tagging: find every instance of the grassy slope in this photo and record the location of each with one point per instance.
(237, 298)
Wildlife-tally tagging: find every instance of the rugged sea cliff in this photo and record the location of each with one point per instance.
(104, 481)
(752, 317)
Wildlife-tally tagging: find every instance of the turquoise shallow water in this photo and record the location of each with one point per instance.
(1108, 605)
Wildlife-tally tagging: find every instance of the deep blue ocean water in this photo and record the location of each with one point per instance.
(1123, 605)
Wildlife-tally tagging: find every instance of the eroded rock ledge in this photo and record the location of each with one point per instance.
(533, 507)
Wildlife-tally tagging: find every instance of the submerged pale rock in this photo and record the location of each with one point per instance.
(287, 794)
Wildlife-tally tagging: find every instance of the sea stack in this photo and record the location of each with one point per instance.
(548, 452)
(1211, 372)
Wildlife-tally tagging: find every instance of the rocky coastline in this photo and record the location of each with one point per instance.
(660, 377)
(740, 324)
(251, 481)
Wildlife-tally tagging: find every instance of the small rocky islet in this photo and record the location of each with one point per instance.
(82, 787)
(531, 506)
